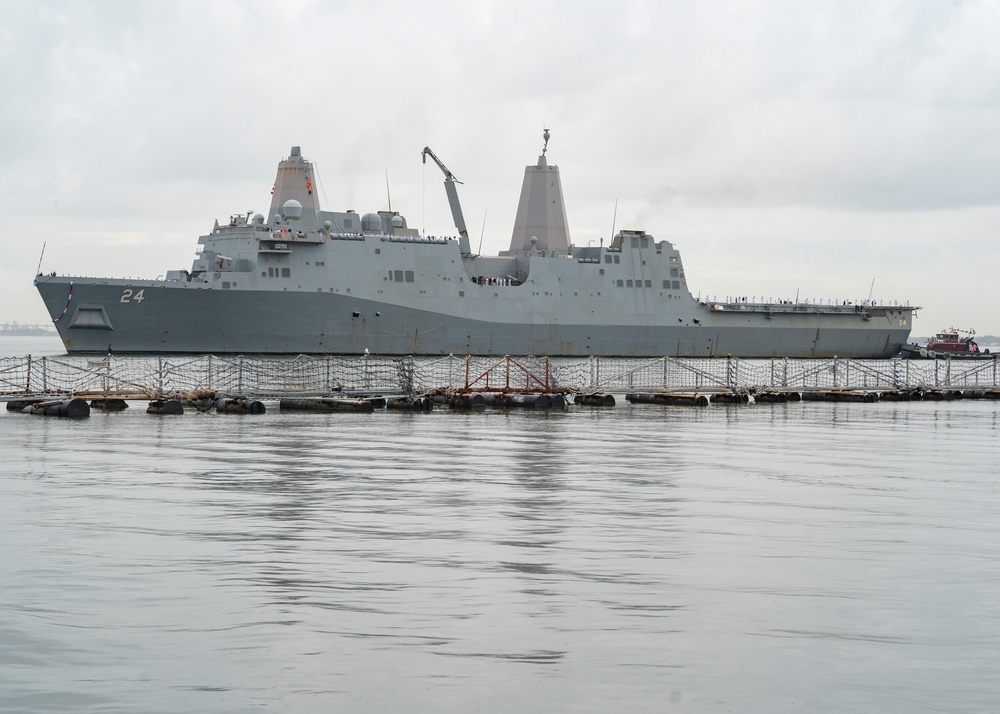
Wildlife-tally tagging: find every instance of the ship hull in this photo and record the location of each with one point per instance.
(144, 317)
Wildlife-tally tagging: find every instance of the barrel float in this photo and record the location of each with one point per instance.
(72, 408)
(840, 395)
(896, 395)
(466, 400)
(772, 397)
(679, 398)
(535, 400)
(413, 404)
(109, 405)
(941, 395)
(165, 406)
(239, 405)
(327, 404)
(201, 403)
(18, 405)
(729, 398)
(526, 400)
(596, 399)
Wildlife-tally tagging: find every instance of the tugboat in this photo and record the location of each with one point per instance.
(950, 344)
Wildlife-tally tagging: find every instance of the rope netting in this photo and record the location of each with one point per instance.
(304, 375)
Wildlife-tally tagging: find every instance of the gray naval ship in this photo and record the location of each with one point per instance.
(303, 280)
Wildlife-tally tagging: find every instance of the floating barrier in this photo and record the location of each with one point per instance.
(693, 400)
(72, 408)
(327, 404)
(595, 399)
(272, 378)
(473, 382)
(165, 406)
(239, 405)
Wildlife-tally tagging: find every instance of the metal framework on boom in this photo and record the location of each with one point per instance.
(449, 187)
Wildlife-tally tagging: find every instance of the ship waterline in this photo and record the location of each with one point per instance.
(319, 282)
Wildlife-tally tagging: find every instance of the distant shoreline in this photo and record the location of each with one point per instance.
(27, 332)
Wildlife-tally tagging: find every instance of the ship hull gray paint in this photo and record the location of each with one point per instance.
(172, 319)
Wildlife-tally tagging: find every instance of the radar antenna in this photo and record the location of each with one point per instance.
(546, 137)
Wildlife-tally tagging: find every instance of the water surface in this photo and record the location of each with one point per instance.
(791, 557)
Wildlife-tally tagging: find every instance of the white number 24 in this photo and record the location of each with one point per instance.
(129, 296)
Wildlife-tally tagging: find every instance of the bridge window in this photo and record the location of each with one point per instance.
(409, 276)
(673, 273)
(628, 283)
(399, 276)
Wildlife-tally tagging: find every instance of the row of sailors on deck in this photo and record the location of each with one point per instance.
(485, 280)
(805, 301)
(770, 301)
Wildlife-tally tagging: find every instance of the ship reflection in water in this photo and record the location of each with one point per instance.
(750, 557)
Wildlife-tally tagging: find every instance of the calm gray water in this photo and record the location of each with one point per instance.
(751, 558)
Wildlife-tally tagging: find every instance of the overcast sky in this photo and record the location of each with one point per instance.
(783, 147)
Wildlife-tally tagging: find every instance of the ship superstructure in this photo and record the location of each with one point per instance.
(303, 280)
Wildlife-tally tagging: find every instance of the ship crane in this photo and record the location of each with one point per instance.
(449, 188)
